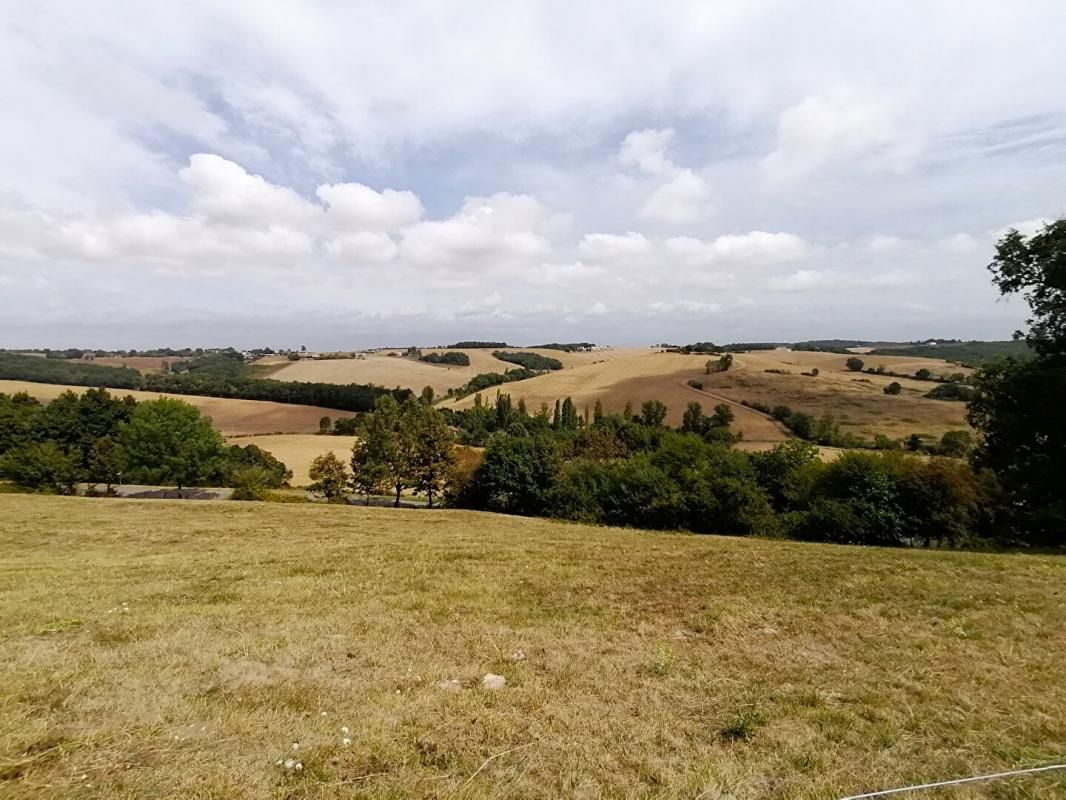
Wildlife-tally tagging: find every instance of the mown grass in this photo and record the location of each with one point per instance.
(169, 649)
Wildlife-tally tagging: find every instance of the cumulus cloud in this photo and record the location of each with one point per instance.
(678, 195)
(355, 206)
(220, 154)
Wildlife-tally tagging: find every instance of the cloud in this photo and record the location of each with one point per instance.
(679, 195)
(821, 131)
(355, 206)
(179, 166)
(224, 192)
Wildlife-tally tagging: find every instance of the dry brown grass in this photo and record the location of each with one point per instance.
(230, 417)
(855, 400)
(168, 649)
(298, 450)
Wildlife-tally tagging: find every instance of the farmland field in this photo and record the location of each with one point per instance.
(390, 371)
(231, 417)
(169, 649)
(856, 400)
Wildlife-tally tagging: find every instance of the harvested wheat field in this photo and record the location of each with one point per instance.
(177, 649)
(633, 377)
(298, 450)
(230, 417)
(383, 369)
(855, 400)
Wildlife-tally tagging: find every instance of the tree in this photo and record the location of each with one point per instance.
(893, 388)
(104, 463)
(168, 441)
(955, 443)
(1018, 405)
(370, 469)
(568, 415)
(923, 374)
(854, 364)
(386, 454)
(330, 477)
(324, 425)
(40, 466)
(652, 413)
(597, 412)
(723, 416)
(427, 395)
(433, 457)
(693, 420)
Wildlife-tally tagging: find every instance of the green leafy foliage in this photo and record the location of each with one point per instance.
(533, 361)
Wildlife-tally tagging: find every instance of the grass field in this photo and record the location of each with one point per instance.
(168, 649)
(298, 450)
(231, 417)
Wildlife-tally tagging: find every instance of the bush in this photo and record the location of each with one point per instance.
(952, 391)
(893, 388)
(251, 483)
(854, 364)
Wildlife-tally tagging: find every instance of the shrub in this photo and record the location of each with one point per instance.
(952, 391)
(854, 364)
(893, 388)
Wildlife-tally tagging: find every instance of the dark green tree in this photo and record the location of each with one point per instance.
(168, 441)
(854, 364)
(1018, 407)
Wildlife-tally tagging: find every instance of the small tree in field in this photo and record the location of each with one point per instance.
(330, 477)
(433, 456)
(893, 388)
(325, 424)
(854, 364)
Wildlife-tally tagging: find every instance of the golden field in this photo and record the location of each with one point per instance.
(180, 649)
(387, 370)
(231, 417)
(859, 407)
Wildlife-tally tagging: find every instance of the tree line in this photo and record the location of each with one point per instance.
(101, 440)
(213, 375)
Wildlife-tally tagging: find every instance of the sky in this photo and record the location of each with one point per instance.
(356, 174)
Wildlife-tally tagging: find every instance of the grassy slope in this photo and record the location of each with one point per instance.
(656, 665)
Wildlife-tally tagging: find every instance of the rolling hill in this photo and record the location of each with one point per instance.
(856, 400)
(230, 417)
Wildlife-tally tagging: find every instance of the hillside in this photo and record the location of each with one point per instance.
(161, 648)
(231, 417)
(856, 400)
(383, 369)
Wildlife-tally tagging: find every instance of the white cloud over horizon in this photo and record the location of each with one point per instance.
(244, 173)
